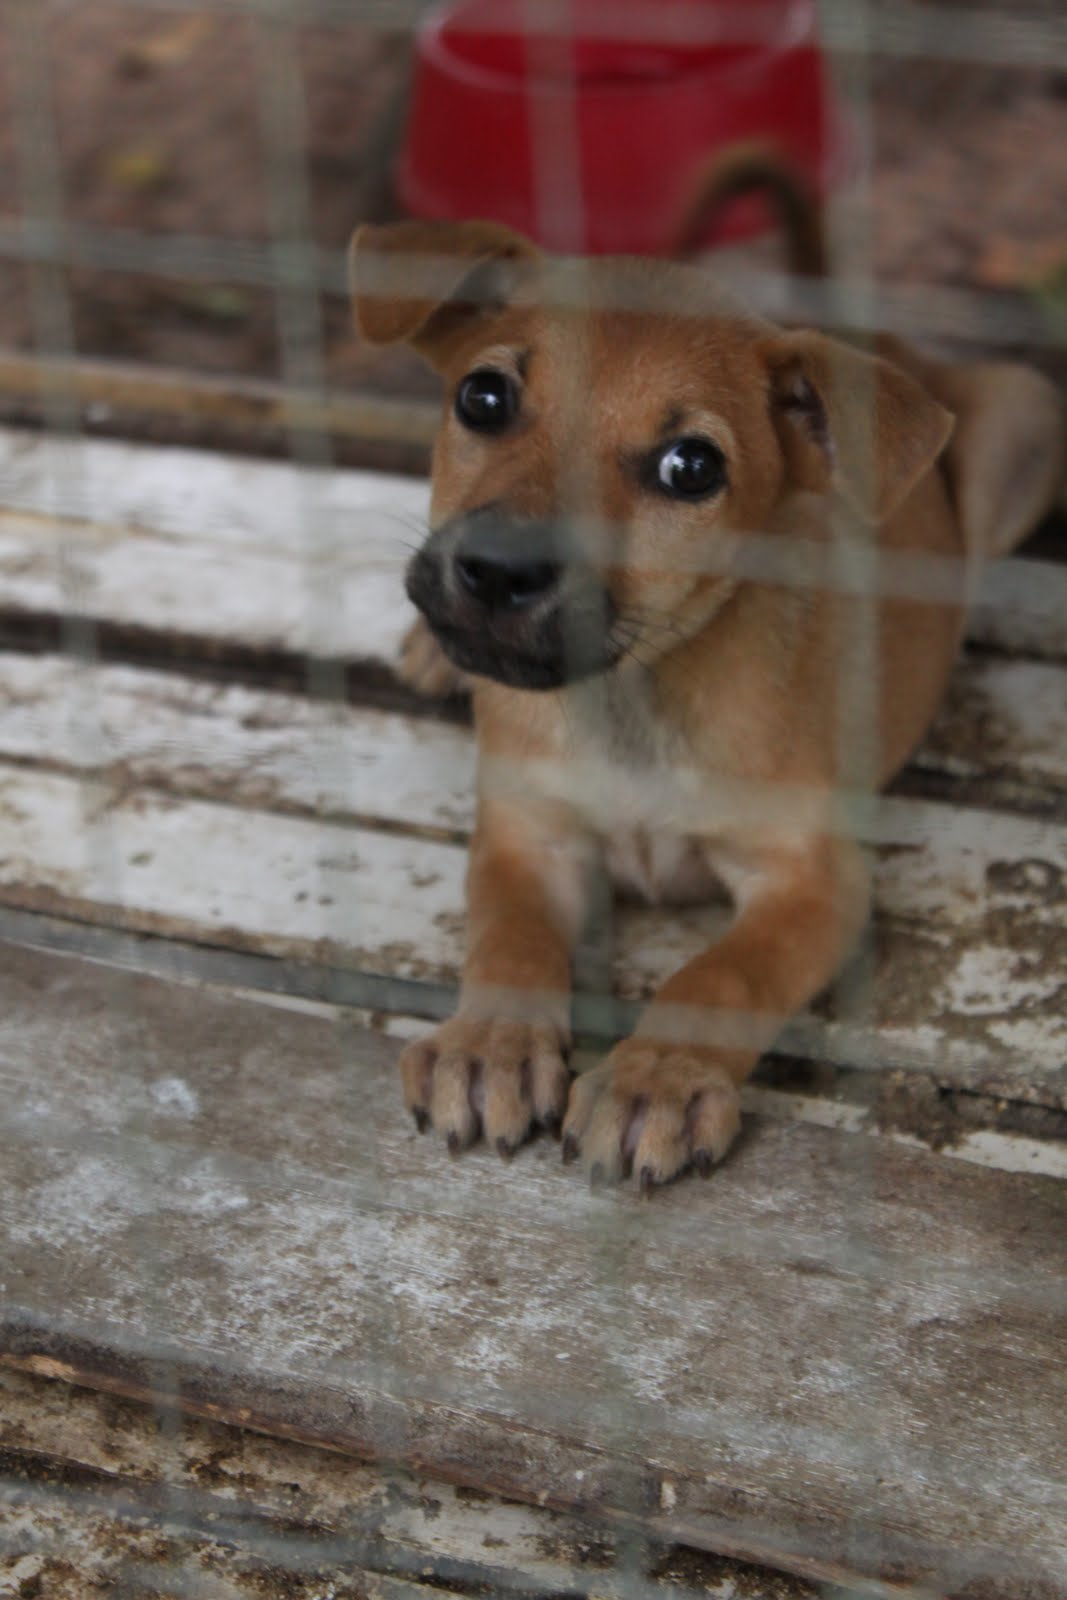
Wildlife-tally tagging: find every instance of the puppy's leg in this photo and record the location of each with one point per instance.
(499, 1066)
(668, 1096)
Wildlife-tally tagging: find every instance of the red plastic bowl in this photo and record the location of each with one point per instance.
(591, 140)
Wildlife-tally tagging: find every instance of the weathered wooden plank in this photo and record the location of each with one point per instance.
(95, 1537)
(838, 1356)
(260, 554)
(288, 885)
(967, 981)
(95, 1464)
(348, 603)
(252, 747)
(963, 1122)
(200, 497)
(68, 1542)
(277, 558)
(1004, 721)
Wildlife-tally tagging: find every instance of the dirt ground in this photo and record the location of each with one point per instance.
(174, 124)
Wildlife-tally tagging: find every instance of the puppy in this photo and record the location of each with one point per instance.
(674, 548)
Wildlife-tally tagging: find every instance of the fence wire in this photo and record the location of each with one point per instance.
(322, 541)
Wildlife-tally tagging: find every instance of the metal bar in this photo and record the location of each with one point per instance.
(915, 309)
(240, 402)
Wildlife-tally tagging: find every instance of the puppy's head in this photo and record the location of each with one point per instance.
(612, 432)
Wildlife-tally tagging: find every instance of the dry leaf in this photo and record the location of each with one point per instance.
(167, 47)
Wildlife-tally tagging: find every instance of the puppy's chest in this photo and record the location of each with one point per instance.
(637, 784)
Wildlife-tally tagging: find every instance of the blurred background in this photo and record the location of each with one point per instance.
(178, 183)
(210, 773)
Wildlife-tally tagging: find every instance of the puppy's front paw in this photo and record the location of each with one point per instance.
(424, 666)
(653, 1109)
(499, 1078)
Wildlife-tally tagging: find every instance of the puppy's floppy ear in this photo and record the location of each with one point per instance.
(851, 419)
(419, 281)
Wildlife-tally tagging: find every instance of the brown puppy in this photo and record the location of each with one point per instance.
(655, 521)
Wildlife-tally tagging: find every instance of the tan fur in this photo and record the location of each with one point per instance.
(719, 750)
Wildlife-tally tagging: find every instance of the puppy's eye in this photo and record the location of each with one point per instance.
(487, 400)
(691, 469)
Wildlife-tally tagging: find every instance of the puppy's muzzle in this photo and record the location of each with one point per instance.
(511, 599)
(505, 575)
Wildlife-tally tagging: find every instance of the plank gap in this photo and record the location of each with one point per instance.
(204, 658)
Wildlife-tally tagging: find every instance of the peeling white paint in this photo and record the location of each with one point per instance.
(1006, 1152)
(1029, 1036)
(174, 1095)
(992, 980)
(261, 748)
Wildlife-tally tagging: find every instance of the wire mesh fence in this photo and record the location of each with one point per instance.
(226, 763)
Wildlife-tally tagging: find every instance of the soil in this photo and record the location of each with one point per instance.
(173, 128)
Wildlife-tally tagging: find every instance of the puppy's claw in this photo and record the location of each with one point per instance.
(553, 1125)
(653, 1110)
(570, 1150)
(491, 1078)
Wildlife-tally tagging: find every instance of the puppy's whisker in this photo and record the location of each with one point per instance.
(655, 632)
(632, 643)
(653, 620)
(416, 524)
(628, 646)
(410, 524)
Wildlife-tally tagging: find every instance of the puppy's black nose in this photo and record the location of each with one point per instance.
(505, 581)
(505, 564)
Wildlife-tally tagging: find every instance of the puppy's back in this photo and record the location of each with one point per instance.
(1006, 462)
